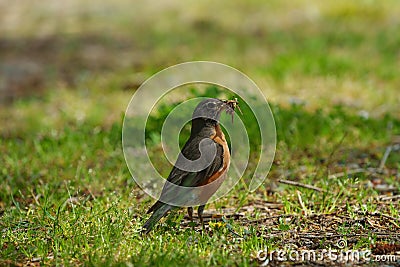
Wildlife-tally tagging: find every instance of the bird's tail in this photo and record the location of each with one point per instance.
(155, 217)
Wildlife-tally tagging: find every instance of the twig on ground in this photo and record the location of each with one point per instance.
(385, 198)
(301, 185)
(385, 157)
(394, 223)
(376, 213)
(303, 207)
(332, 235)
(329, 235)
(271, 217)
(373, 224)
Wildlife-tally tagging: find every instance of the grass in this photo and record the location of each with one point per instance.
(67, 198)
(329, 71)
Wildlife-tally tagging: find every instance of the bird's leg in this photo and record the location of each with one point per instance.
(190, 213)
(200, 214)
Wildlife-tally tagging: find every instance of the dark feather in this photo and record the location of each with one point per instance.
(191, 179)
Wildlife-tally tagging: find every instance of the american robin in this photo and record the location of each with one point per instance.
(205, 130)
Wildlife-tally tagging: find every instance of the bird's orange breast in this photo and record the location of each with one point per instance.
(219, 138)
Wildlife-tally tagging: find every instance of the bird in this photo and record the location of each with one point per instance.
(205, 131)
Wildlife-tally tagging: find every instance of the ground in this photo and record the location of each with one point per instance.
(328, 69)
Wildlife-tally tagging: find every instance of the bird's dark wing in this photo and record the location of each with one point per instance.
(201, 177)
(191, 152)
(191, 179)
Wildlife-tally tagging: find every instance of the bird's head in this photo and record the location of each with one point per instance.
(211, 109)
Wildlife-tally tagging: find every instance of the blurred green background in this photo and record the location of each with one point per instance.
(90, 53)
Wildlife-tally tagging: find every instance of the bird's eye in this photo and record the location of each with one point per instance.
(211, 105)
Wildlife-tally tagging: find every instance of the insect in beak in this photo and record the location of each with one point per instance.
(231, 106)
